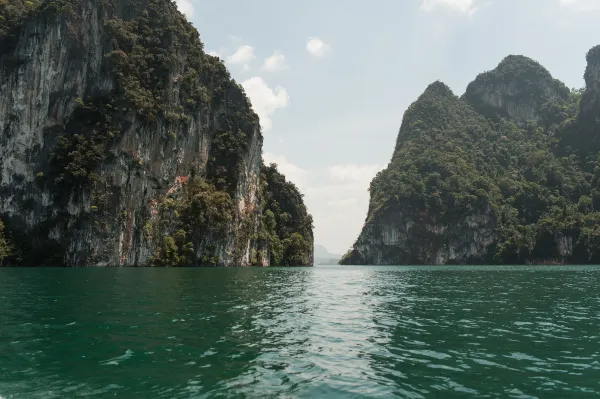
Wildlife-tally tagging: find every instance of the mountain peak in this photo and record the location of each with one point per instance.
(591, 98)
(437, 107)
(438, 88)
(521, 63)
(436, 110)
(515, 89)
(593, 55)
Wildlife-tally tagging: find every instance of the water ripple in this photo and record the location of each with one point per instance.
(347, 332)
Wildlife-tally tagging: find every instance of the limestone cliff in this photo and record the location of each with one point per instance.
(515, 89)
(286, 227)
(122, 143)
(492, 177)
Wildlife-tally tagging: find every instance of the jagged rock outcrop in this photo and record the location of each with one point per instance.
(580, 135)
(488, 178)
(590, 103)
(122, 143)
(515, 89)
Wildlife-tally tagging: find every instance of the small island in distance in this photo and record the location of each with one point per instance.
(505, 174)
(324, 257)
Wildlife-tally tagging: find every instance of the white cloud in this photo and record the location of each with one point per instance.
(275, 62)
(265, 101)
(362, 174)
(316, 47)
(242, 56)
(237, 40)
(581, 5)
(463, 6)
(342, 202)
(186, 7)
(292, 173)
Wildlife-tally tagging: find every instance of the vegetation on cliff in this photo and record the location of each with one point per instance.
(451, 161)
(146, 68)
(200, 212)
(523, 81)
(163, 82)
(186, 220)
(12, 12)
(286, 226)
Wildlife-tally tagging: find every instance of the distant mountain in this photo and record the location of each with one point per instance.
(324, 257)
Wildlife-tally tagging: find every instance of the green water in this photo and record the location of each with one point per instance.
(323, 332)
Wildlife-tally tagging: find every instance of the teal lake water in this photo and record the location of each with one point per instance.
(323, 332)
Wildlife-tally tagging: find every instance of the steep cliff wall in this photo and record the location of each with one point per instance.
(582, 136)
(489, 178)
(422, 240)
(122, 143)
(590, 103)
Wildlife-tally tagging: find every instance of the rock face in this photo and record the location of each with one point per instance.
(516, 89)
(422, 241)
(108, 111)
(481, 179)
(591, 99)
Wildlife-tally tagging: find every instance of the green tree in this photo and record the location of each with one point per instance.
(286, 225)
(296, 250)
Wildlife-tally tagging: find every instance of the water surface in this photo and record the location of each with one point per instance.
(334, 332)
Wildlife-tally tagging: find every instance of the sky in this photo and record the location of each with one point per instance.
(330, 80)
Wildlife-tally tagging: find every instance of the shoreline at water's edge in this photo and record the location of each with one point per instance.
(148, 267)
(548, 263)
